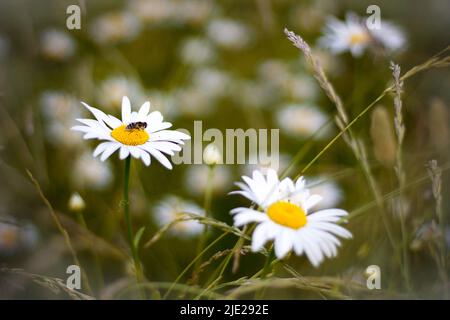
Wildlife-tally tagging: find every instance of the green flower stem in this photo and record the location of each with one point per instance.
(207, 209)
(126, 211)
(265, 271)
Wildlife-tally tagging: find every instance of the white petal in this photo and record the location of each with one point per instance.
(331, 227)
(283, 244)
(135, 152)
(259, 237)
(143, 111)
(312, 201)
(109, 151)
(126, 110)
(146, 158)
(101, 147)
(158, 156)
(124, 152)
(248, 216)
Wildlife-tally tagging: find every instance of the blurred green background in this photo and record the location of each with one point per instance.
(228, 64)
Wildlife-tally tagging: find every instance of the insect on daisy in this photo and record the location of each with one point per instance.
(285, 217)
(139, 134)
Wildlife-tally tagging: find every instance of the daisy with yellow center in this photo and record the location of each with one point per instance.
(140, 134)
(285, 217)
(349, 35)
(354, 36)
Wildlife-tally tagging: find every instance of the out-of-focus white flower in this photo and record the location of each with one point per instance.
(113, 89)
(328, 189)
(213, 82)
(91, 173)
(229, 34)
(197, 51)
(212, 155)
(57, 45)
(274, 72)
(115, 27)
(349, 35)
(301, 87)
(152, 10)
(59, 110)
(192, 12)
(354, 36)
(302, 120)
(9, 238)
(286, 217)
(193, 101)
(390, 36)
(252, 94)
(196, 179)
(15, 237)
(171, 208)
(76, 202)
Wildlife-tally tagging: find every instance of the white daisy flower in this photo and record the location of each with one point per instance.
(172, 207)
(285, 217)
(57, 45)
(349, 35)
(139, 134)
(229, 34)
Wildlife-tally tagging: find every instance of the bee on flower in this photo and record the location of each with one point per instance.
(139, 134)
(286, 219)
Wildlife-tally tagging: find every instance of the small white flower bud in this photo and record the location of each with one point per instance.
(212, 155)
(76, 202)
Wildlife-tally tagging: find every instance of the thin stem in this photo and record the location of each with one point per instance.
(260, 293)
(207, 209)
(126, 211)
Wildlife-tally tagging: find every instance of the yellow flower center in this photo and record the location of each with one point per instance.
(130, 137)
(359, 37)
(287, 214)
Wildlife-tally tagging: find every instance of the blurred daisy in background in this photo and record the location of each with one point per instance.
(349, 35)
(302, 120)
(193, 102)
(152, 11)
(285, 218)
(229, 34)
(113, 89)
(196, 179)
(91, 173)
(59, 109)
(15, 237)
(115, 27)
(197, 51)
(329, 190)
(57, 45)
(354, 36)
(192, 12)
(139, 134)
(172, 207)
(214, 83)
